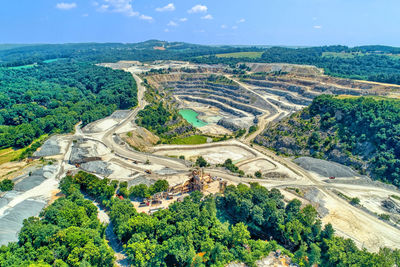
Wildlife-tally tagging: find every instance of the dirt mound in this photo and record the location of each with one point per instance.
(325, 168)
(141, 139)
(291, 68)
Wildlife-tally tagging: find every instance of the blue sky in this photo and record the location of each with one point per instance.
(250, 22)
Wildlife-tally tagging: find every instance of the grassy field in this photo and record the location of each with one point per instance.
(9, 154)
(336, 54)
(242, 55)
(190, 140)
(50, 60)
(23, 67)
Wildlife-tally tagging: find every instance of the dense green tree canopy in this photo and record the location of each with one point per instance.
(53, 97)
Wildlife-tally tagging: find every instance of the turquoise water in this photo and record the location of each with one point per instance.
(191, 116)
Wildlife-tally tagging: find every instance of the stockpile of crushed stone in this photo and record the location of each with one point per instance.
(325, 168)
(49, 148)
(140, 180)
(11, 222)
(98, 167)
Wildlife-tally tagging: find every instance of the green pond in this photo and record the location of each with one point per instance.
(191, 117)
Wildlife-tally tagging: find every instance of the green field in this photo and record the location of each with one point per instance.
(343, 54)
(23, 67)
(50, 60)
(242, 55)
(9, 154)
(190, 140)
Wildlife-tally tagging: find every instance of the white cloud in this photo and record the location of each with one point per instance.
(166, 30)
(66, 6)
(85, 15)
(198, 9)
(103, 8)
(144, 17)
(223, 26)
(317, 27)
(172, 24)
(169, 7)
(183, 19)
(241, 21)
(234, 27)
(120, 6)
(208, 16)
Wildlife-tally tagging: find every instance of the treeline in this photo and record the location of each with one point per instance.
(109, 52)
(366, 65)
(154, 118)
(53, 97)
(365, 122)
(216, 230)
(67, 233)
(358, 131)
(200, 231)
(373, 63)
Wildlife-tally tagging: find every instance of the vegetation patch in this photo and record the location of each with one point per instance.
(360, 132)
(241, 55)
(189, 140)
(53, 97)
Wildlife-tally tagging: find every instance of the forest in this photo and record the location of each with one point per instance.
(109, 52)
(244, 224)
(350, 130)
(372, 63)
(53, 97)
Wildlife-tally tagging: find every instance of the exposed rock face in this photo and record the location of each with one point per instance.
(228, 124)
(391, 206)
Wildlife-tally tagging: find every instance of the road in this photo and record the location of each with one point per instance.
(343, 216)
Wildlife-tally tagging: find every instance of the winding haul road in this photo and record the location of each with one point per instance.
(378, 233)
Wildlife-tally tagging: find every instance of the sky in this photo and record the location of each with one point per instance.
(233, 22)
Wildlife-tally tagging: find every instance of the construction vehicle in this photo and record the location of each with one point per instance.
(144, 203)
(332, 177)
(147, 171)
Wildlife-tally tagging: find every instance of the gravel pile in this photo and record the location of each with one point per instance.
(98, 167)
(78, 153)
(120, 114)
(11, 223)
(49, 148)
(166, 171)
(325, 168)
(140, 180)
(35, 178)
(317, 199)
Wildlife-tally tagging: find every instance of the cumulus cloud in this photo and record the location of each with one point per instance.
(208, 16)
(172, 24)
(223, 26)
(66, 6)
(241, 21)
(198, 9)
(120, 6)
(144, 17)
(169, 7)
(183, 19)
(234, 27)
(317, 27)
